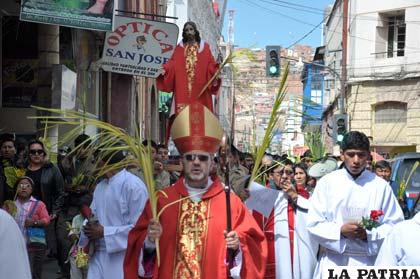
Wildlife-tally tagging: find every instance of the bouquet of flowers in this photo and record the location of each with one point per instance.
(85, 247)
(372, 221)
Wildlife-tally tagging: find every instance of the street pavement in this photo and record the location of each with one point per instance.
(50, 269)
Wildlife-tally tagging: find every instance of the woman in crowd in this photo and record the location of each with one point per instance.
(301, 178)
(48, 187)
(32, 218)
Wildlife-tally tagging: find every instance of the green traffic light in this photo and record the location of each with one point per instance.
(340, 137)
(273, 70)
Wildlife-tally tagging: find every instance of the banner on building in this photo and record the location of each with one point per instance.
(84, 14)
(138, 46)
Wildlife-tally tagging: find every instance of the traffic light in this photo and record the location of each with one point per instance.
(339, 127)
(272, 61)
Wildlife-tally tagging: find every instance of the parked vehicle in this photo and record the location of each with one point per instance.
(401, 168)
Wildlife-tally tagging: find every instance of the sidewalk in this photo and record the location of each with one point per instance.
(50, 269)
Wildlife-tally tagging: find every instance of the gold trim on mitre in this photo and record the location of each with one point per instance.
(212, 126)
(181, 126)
(196, 128)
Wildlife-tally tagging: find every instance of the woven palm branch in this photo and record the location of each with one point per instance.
(105, 141)
(228, 60)
(272, 124)
(405, 181)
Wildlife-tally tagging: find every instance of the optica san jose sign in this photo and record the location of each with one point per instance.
(138, 46)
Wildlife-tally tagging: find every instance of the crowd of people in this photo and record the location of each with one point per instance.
(105, 227)
(284, 223)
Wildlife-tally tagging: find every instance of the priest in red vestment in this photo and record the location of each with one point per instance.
(193, 241)
(187, 72)
(291, 250)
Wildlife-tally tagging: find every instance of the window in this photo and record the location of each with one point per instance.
(316, 97)
(391, 112)
(19, 63)
(396, 36)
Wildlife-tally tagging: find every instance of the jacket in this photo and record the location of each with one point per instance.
(52, 188)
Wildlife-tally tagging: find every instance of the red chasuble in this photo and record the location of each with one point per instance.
(192, 244)
(186, 76)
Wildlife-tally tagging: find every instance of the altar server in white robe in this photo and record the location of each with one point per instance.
(339, 202)
(401, 247)
(118, 201)
(291, 249)
(14, 261)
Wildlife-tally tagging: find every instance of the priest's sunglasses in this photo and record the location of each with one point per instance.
(192, 157)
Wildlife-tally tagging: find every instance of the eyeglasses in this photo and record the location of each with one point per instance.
(287, 172)
(24, 185)
(192, 157)
(36, 152)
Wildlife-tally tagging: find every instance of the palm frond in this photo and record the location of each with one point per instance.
(227, 60)
(272, 124)
(406, 180)
(105, 141)
(314, 142)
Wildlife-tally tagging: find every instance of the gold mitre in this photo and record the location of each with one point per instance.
(196, 128)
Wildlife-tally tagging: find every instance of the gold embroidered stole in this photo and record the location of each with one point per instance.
(190, 54)
(192, 233)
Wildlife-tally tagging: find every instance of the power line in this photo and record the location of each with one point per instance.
(314, 10)
(311, 11)
(307, 34)
(297, 5)
(284, 15)
(310, 24)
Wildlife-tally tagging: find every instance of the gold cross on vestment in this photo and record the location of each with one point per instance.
(196, 229)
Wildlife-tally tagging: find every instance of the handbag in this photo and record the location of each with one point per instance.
(35, 234)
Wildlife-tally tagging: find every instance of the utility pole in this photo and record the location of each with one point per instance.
(231, 32)
(344, 56)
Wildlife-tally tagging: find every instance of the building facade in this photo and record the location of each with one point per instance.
(55, 66)
(255, 94)
(313, 92)
(383, 72)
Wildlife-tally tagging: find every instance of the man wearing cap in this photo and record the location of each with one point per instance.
(193, 241)
(340, 200)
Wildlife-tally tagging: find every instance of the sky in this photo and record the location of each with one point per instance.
(258, 23)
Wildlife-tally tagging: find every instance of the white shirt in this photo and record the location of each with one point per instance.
(196, 193)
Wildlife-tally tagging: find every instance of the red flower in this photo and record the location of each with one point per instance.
(375, 214)
(86, 211)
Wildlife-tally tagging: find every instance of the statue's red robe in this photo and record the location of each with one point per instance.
(176, 78)
(183, 255)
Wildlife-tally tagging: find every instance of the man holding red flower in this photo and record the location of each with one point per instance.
(352, 210)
